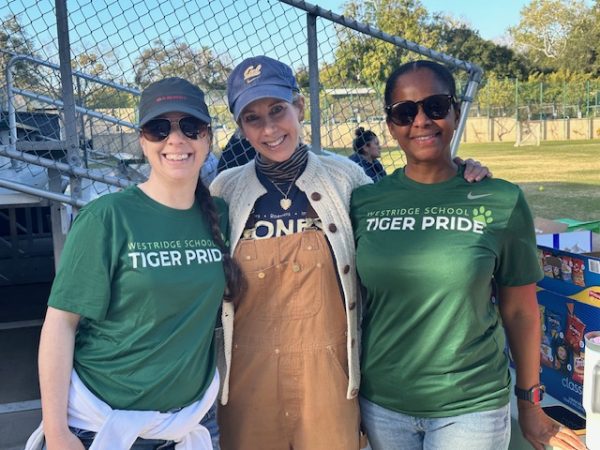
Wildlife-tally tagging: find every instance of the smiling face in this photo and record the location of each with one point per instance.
(177, 159)
(425, 140)
(273, 127)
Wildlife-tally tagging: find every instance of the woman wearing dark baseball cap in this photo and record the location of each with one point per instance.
(126, 352)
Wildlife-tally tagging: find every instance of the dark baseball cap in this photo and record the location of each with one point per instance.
(259, 77)
(172, 95)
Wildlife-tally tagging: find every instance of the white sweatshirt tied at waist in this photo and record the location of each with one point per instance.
(118, 429)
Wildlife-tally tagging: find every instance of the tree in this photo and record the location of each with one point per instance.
(361, 59)
(497, 93)
(543, 31)
(94, 95)
(583, 43)
(200, 66)
(97, 62)
(563, 87)
(14, 40)
(302, 77)
(464, 43)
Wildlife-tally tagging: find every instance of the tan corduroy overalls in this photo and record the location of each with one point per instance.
(289, 366)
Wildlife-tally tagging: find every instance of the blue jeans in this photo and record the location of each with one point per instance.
(391, 430)
(209, 421)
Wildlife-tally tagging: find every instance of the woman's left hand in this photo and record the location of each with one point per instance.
(474, 171)
(540, 430)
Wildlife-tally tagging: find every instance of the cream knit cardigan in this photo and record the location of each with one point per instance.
(328, 182)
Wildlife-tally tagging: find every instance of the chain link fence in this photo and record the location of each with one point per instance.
(116, 48)
(72, 72)
(538, 100)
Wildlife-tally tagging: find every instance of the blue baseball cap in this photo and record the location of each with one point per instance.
(259, 77)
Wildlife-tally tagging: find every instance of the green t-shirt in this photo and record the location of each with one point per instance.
(433, 344)
(148, 282)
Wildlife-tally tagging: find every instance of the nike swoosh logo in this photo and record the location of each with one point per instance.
(471, 196)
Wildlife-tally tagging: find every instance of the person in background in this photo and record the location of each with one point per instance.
(237, 152)
(429, 247)
(367, 150)
(208, 172)
(126, 356)
(291, 340)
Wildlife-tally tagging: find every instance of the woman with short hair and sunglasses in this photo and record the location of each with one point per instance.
(291, 340)
(126, 355)
(429, 247)
(367, 150)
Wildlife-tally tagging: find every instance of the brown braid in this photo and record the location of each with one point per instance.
(234, 279)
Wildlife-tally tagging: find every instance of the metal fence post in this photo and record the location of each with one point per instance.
(71, 136)
(587, 98)
(542, 115)
(12, 113)
(564, 100)
(313, 80)
(468, 96)
(66, 80)
(517, 99)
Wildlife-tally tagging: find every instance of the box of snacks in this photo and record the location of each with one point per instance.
(569, 303)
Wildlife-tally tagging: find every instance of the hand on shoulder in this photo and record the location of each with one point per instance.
(474, 170)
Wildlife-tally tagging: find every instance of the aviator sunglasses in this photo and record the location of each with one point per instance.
(157, 130)
(435, 107)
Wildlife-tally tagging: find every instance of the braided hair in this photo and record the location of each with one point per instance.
(234, 279)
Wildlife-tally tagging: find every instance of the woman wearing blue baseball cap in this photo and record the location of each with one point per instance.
(126, 354)
(292, 377)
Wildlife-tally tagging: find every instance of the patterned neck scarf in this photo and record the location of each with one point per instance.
(286, 171)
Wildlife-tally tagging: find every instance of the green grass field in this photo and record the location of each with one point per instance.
(560, 179)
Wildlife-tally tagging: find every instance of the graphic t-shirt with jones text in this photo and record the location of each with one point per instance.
(268, 219)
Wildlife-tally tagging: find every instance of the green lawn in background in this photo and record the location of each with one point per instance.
(560, 179)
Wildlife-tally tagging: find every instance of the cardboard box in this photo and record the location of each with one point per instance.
(569, 301)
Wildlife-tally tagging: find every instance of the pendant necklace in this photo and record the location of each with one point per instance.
(285, 202)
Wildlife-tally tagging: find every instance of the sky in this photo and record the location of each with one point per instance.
(490, 18)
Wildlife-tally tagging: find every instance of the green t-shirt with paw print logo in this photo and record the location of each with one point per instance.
(427, 255)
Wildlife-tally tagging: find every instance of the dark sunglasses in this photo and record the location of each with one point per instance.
(435, 107)
(157, 130)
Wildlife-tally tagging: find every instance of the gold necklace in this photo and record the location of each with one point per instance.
(285, 202)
